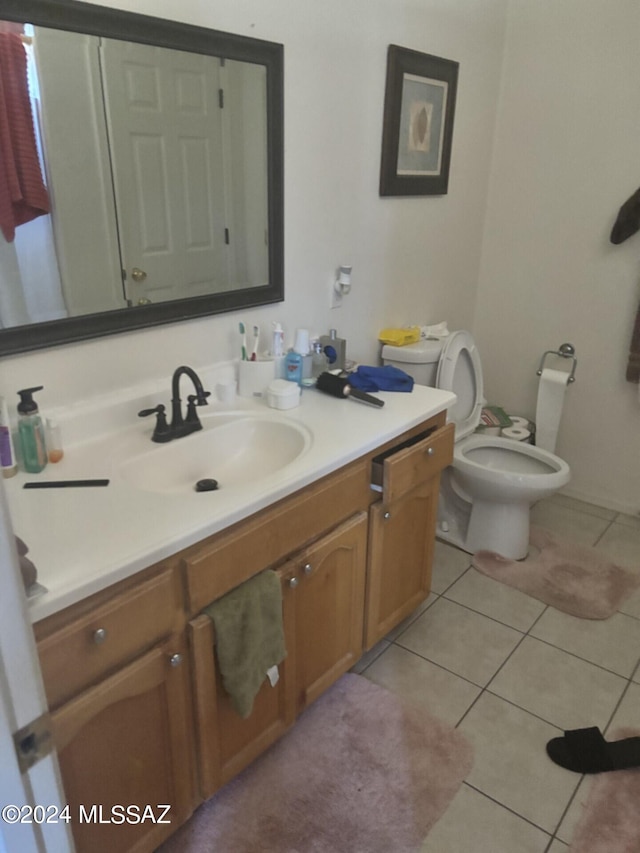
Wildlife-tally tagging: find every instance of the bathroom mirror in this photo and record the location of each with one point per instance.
(161, 147)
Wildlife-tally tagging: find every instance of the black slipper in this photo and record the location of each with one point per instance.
(586, 751)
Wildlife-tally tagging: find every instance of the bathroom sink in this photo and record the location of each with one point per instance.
(234, 449)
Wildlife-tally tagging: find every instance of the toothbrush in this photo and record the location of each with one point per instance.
(244, 341)
(256, 335)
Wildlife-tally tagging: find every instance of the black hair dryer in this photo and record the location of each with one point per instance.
(338, 386)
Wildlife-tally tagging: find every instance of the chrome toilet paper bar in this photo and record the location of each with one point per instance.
(564, 351)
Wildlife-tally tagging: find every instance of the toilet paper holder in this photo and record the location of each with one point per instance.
(564, 351)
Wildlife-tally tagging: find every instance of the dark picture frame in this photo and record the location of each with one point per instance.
(417, 130)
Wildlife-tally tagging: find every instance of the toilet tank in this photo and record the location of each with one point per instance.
(419, 360)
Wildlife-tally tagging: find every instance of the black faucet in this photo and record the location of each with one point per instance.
(191, 423)
(179, 426)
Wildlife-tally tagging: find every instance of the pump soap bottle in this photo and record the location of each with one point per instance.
(31, 432)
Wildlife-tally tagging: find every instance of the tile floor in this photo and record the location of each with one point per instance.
(512, 673)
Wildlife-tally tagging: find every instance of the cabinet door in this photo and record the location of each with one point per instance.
(326, 587)
(401, 541)
(127, 742)
(227, 743)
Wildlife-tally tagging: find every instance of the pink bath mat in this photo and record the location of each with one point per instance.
(572, 578)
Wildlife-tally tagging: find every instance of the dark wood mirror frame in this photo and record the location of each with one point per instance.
(81, 17)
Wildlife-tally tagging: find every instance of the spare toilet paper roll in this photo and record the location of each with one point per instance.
(517, 421)
(516, 433)
(553, 384)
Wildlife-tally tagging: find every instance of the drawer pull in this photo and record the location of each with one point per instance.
(387, 516)
(308, 568)
(293, 583)
(175, 660)
(430, 451)
(99, 636)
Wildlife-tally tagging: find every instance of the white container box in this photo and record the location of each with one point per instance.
(282, 394)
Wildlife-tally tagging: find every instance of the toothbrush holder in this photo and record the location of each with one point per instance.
(254, 377)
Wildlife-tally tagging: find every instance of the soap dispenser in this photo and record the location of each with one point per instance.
(31, 432)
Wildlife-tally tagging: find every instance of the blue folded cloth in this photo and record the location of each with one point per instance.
(387, 378)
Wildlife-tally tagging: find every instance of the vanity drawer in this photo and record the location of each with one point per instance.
(109, 636)
(231, 557)
(402, 468)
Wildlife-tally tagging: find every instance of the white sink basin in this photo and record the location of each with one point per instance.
(235, 449)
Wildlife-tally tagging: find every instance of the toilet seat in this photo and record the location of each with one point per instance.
(460, 371)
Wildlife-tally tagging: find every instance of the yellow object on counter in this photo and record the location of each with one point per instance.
(400, 337)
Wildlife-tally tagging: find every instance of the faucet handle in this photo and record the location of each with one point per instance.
(194, 400)
(162, 432)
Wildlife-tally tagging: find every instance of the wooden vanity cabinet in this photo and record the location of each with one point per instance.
(324, 587)
(402, 528)
(139, 713)
(322, 604)
(126, 745)
(225, 742)
(121, 714)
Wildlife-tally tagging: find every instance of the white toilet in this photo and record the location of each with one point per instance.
(486, 494)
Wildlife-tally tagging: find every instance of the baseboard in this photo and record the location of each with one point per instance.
(599, 500)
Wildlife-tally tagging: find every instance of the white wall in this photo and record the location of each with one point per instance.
(565, 159)
(414, 260)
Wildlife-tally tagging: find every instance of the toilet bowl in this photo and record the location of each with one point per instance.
(487, 493)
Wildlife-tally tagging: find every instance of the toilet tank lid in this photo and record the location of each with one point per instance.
(422, 352)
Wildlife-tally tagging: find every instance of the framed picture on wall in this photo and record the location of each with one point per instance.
(417, 130)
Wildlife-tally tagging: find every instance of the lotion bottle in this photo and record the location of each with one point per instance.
(7, 454)
(31, 432)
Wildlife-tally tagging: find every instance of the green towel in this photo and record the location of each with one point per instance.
(249, 637)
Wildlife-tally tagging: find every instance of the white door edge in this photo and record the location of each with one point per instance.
(22, 700)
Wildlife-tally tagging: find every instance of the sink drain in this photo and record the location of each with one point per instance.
(206, 485)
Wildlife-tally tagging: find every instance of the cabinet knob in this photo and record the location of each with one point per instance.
(175, 660)
(430, 451)
(293, 583)
(386, 516)
(99, 636)
(308, 568)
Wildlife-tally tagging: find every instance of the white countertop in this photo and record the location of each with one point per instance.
(85, 539)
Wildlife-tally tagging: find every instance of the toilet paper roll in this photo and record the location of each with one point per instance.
(551, 391)
(516, 433)
(517, 421)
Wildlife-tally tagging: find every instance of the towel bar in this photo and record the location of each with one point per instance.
(564, 351)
